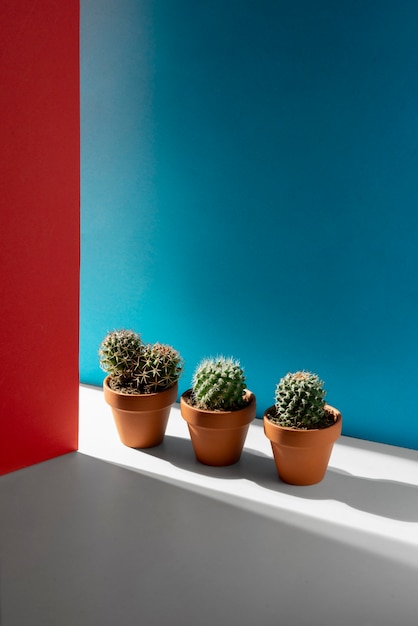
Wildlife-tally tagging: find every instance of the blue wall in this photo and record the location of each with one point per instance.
(250, 187)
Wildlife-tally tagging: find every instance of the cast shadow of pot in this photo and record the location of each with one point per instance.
(179, 452)
(391, 499)
(386, 498)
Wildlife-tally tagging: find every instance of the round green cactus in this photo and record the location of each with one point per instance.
(300, 401)
(119, 353)
(160, 368)
(218, 384)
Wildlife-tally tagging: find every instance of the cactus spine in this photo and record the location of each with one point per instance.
(218, 384)
(299, 401)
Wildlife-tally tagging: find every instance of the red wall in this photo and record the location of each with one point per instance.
(39, 230)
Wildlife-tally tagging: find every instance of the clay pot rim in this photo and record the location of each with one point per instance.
(135, 395)
(215, 418)
(286, 436)
(328, 407)
(139, 401)
(247, 393)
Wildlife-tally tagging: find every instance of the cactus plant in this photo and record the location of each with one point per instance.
(300, 402)
(218, 410)
(140, 387)
(160, 367)
(119, 355)
(302, 428)
(218, 384)
(138, 368)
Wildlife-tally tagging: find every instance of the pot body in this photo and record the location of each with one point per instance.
(141, 420)
(218, 437)
(302, 456)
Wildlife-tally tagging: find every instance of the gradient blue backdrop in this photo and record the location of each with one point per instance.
(250, 187)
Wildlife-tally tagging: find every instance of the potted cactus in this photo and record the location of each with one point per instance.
(302, 428)
(141, 386)
(218, 410)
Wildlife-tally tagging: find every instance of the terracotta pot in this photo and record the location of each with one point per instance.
(218, 436)
(302, 456)
(141, 420)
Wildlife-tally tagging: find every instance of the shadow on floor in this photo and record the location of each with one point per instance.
(85, 542)
(390, 499)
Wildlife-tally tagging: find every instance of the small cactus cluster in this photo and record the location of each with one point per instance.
(135, 367)
(300, 401)
(218, 384)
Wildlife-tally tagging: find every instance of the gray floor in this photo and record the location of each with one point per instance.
(86, 543)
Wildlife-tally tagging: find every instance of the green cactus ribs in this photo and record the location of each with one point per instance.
(218, 384)
(160, 367)
(119, 356)
(300, 402)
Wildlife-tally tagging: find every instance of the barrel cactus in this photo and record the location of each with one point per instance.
(218, 384)
(300, 401)
(119, 355)
(160, 368)
(135, 367)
